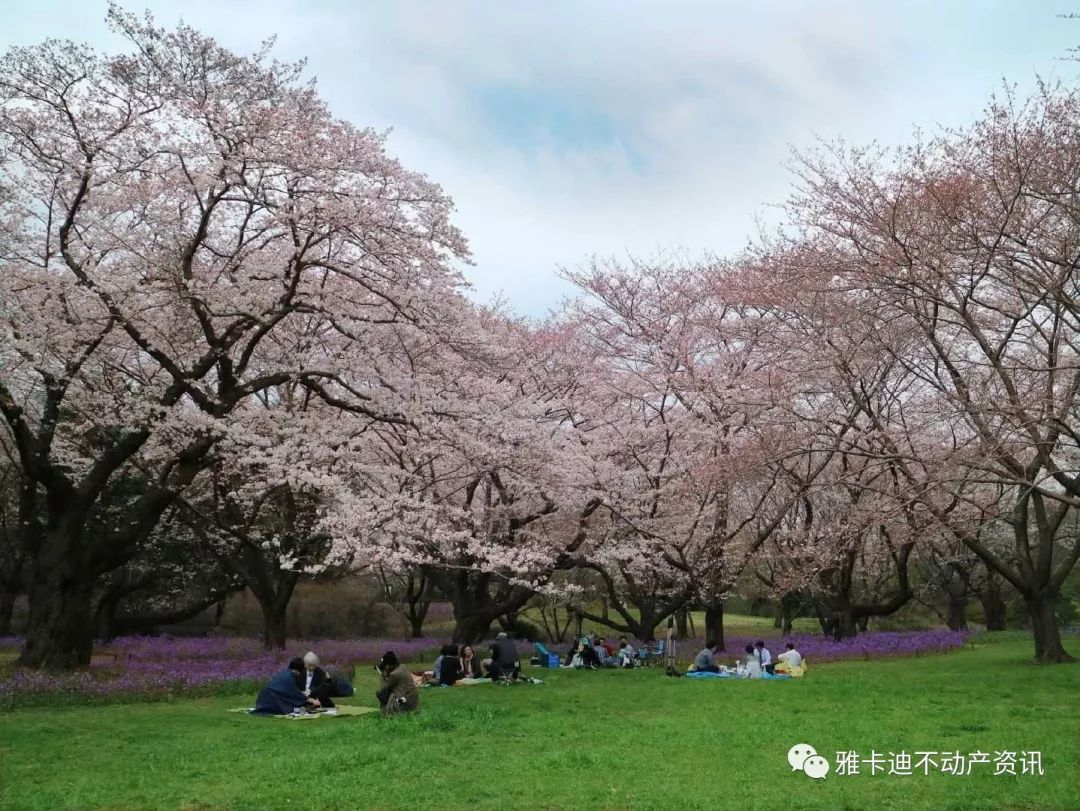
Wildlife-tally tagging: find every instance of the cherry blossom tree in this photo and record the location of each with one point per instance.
(491, 492)
(181, 231)
(967, 244)
(12, 554)
(695, 384)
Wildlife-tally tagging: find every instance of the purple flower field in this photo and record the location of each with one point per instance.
(139, 668)
(145, 668)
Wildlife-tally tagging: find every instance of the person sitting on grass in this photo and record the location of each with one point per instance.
(282, 694)
(574, 656)
(449, 667)
(626, 653)
(753, 662)
(790, 661)
(504, 659)
(764, 656)
(602, 656)
(705, 662)
(589, 659)
(316, 682)
(470, 665)
(398, 693)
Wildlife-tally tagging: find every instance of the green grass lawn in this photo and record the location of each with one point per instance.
(607, 739)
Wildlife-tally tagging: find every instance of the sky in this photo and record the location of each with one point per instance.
(569, 129)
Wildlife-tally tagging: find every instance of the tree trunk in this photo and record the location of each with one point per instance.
(862, 623)
(647, 627)
(471, 629)
(790, 603)
(956, 618)
(7, 609)
(994, 609)
(1044, 627)
(274, 624)
(714, 623)
(843, 624)
(509, 621)
(417, 613)
(681, 623)
(416, 626)
(105, 619)
(60, 628)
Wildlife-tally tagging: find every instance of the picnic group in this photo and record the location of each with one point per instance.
(305, 687)
(756, 663)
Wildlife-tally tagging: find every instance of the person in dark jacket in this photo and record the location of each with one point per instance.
(282, 695)
(398, 692)
(450, 668)
(504, 658)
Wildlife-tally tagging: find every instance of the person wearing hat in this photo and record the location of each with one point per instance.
(316, 682)
(282, 694)
(398, 692)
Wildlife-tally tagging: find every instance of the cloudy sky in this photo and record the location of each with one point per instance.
(571, 128)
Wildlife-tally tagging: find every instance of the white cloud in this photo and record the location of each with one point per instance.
(564, 129)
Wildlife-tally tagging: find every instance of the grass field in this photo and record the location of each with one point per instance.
(606, 739)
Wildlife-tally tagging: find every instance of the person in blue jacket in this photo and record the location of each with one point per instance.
(282, 695)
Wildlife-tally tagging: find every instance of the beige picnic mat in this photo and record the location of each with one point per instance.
(340, 711)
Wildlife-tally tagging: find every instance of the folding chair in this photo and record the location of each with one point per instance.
(655, 654)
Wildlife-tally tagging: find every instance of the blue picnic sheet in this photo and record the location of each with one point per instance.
(706, 675)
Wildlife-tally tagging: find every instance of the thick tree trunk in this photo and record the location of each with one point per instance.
(416, 614)
(509, 621)
(471, 629)
(416, 626)
(994, 609)
(7, 610)
(681, 623)
(60, 628)
(843, 624)
(714, 623)
(105, 620)
(646, 629)
(1044, 627)
(790, 604)
(956, 618)
(274, 624)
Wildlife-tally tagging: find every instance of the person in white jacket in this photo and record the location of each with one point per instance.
(790, 657)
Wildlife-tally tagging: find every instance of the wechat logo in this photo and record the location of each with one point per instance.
(804, 758)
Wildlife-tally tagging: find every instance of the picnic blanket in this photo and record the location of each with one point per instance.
(706, 675)
(340, 711)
